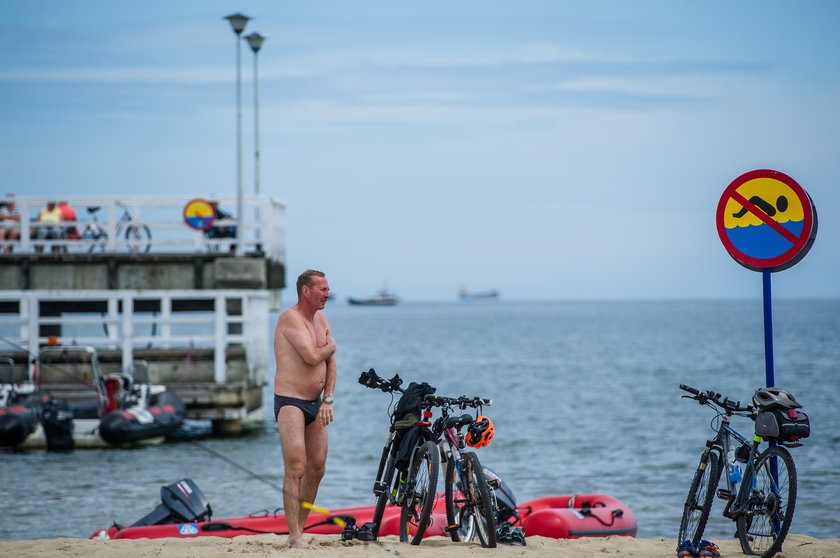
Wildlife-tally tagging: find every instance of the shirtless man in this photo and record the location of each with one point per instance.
(305, 354)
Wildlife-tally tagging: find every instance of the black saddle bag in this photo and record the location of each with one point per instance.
(782, 425)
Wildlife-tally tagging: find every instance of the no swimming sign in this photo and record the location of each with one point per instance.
(766, 220)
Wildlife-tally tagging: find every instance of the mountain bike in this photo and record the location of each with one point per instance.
(138, 237)
(761, 500)
(470, 503)
(413, 485)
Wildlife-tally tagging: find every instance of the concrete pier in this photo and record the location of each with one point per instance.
(139, 271)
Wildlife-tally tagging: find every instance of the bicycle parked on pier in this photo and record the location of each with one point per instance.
(137, 236)
(470, 502)
(762, 499)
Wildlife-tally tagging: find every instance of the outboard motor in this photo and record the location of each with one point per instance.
(57, 420)
(181, 502)
(505, 499)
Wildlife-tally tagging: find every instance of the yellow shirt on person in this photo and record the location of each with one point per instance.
(47, 216)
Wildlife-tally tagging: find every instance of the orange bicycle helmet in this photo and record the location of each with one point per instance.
(480, 432)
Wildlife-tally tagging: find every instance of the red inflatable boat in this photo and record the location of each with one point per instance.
(559, 517)
(573, 517)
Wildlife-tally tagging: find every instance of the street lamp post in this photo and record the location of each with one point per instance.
(255, 41)
(238, 22)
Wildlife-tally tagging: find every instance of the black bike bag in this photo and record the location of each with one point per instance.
(407, 441)
(411, 403)
(782, 425)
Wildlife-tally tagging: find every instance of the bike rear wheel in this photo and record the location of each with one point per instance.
(765, 521)
(419, 498)
(479, 509)
(138, 238)
(698, 503)
(456, 529)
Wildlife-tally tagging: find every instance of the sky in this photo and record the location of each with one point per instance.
(547, 148)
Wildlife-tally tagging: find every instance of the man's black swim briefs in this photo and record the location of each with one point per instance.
(309, 408)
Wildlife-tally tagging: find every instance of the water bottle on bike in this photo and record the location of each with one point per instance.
(734, 469)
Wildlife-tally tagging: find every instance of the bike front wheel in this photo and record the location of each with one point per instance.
(96, 237)
(765, 520)
(698, 503)
(382, 498)
(419, 498)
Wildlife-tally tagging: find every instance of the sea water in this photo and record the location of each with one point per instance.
(586, 401)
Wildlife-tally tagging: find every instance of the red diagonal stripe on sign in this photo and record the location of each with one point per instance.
(772, 223)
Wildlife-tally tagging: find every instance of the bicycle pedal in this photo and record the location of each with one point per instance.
(724, 494)
(450, 528)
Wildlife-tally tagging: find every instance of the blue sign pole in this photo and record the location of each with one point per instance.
(768, 329)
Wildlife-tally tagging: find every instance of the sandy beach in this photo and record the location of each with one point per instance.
(327, 546)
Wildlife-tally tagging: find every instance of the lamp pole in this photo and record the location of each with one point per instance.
(255, 41)
(237, 22)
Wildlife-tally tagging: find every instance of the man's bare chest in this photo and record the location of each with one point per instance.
(316, 332)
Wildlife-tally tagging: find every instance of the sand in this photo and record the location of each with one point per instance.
(328, 546)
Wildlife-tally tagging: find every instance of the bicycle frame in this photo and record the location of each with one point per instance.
(383, 484)
(453, 439)
(722, 443)
(379, 486)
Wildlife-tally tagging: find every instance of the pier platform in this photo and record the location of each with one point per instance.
(192, 306)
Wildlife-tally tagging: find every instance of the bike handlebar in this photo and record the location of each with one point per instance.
(462, 402)
(704, 397)
(371, 380)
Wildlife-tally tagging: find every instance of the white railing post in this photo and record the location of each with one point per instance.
(127, 337)
(219, 345)
(166, 319)
(112, 321)
(259, 334)
(111, 226)
(33, 311)
(25, 211)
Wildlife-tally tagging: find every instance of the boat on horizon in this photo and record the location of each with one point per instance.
(381, 298)
(466, 294)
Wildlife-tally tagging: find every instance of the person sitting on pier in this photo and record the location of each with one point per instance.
(9, 223)
(219, 228)
(47, 229)
(68, 215)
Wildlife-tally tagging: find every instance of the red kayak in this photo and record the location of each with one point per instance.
(559, 517)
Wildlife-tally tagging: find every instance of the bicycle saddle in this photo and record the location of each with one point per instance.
(464, 419)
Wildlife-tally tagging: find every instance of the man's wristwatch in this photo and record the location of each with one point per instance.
(329, 399)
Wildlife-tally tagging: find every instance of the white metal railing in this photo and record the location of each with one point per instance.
(262, 230)
(119, 326)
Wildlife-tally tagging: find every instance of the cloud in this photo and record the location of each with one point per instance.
(180, 75)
